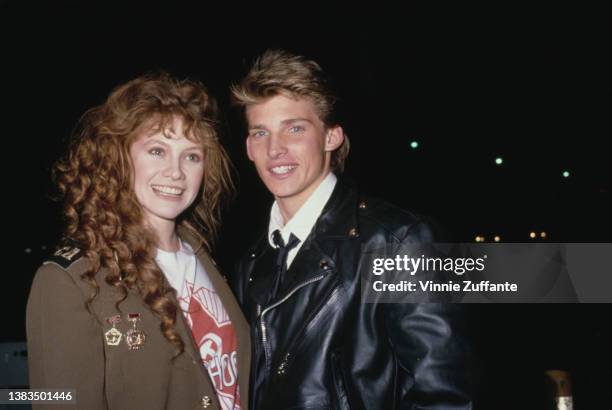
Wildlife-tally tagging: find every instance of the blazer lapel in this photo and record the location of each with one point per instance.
(238, 321)
(183, 329)
(234, 312)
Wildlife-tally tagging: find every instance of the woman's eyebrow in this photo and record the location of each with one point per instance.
(152, 140)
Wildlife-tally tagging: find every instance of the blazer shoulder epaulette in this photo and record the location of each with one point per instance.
(65, 256)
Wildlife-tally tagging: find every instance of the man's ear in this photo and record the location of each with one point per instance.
(334, 138)
(248, 147)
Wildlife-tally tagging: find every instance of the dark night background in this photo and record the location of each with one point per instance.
(528, 83)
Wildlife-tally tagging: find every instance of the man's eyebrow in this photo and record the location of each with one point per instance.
(258, 127)
(293, 120)
(283, 122)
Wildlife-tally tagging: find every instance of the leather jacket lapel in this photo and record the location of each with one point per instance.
(310, 262)
(317, 256)
(339, 217)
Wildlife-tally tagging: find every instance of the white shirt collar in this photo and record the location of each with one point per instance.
(304, 219)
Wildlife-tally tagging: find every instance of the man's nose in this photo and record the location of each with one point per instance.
(276, 146)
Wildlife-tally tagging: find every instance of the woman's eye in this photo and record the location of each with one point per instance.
(156, 151)
(193, 157)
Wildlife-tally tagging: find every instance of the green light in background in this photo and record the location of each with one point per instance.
(414, 145)
(499, 160)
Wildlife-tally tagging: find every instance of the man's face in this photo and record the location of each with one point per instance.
(291, 147)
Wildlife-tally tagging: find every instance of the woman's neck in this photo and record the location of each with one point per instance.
(171, 244)
(167, 238)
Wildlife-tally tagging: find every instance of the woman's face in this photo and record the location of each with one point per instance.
(168, 172)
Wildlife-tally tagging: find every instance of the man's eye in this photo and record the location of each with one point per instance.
(156, 151)
(296, 128)
(259, 133)
(193, 157)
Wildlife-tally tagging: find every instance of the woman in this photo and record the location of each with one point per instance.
(132, 312)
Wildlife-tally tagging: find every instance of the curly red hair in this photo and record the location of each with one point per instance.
(95, 179)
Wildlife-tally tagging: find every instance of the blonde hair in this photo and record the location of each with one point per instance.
(280, 72)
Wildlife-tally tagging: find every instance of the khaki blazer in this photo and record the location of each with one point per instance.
(67, 347)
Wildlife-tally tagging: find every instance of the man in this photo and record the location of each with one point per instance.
(315, 344)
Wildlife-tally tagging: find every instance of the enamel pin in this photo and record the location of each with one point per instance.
(113, 335)
(135, 338)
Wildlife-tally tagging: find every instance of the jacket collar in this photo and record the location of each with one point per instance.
(339, 217)
(303, 221)
(338, 220)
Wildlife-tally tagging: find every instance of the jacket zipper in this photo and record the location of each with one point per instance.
(264, 338)
(282, 367)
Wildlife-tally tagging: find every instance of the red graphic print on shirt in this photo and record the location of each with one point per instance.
(215, 336)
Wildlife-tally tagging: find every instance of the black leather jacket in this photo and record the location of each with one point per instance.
(320, 347)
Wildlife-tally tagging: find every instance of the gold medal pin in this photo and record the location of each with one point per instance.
(135, 338)
(113, 335)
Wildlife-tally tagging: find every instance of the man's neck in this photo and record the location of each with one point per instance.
(305, 218)
(290, 206)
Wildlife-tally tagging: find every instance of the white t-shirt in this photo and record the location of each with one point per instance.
(210, 324)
